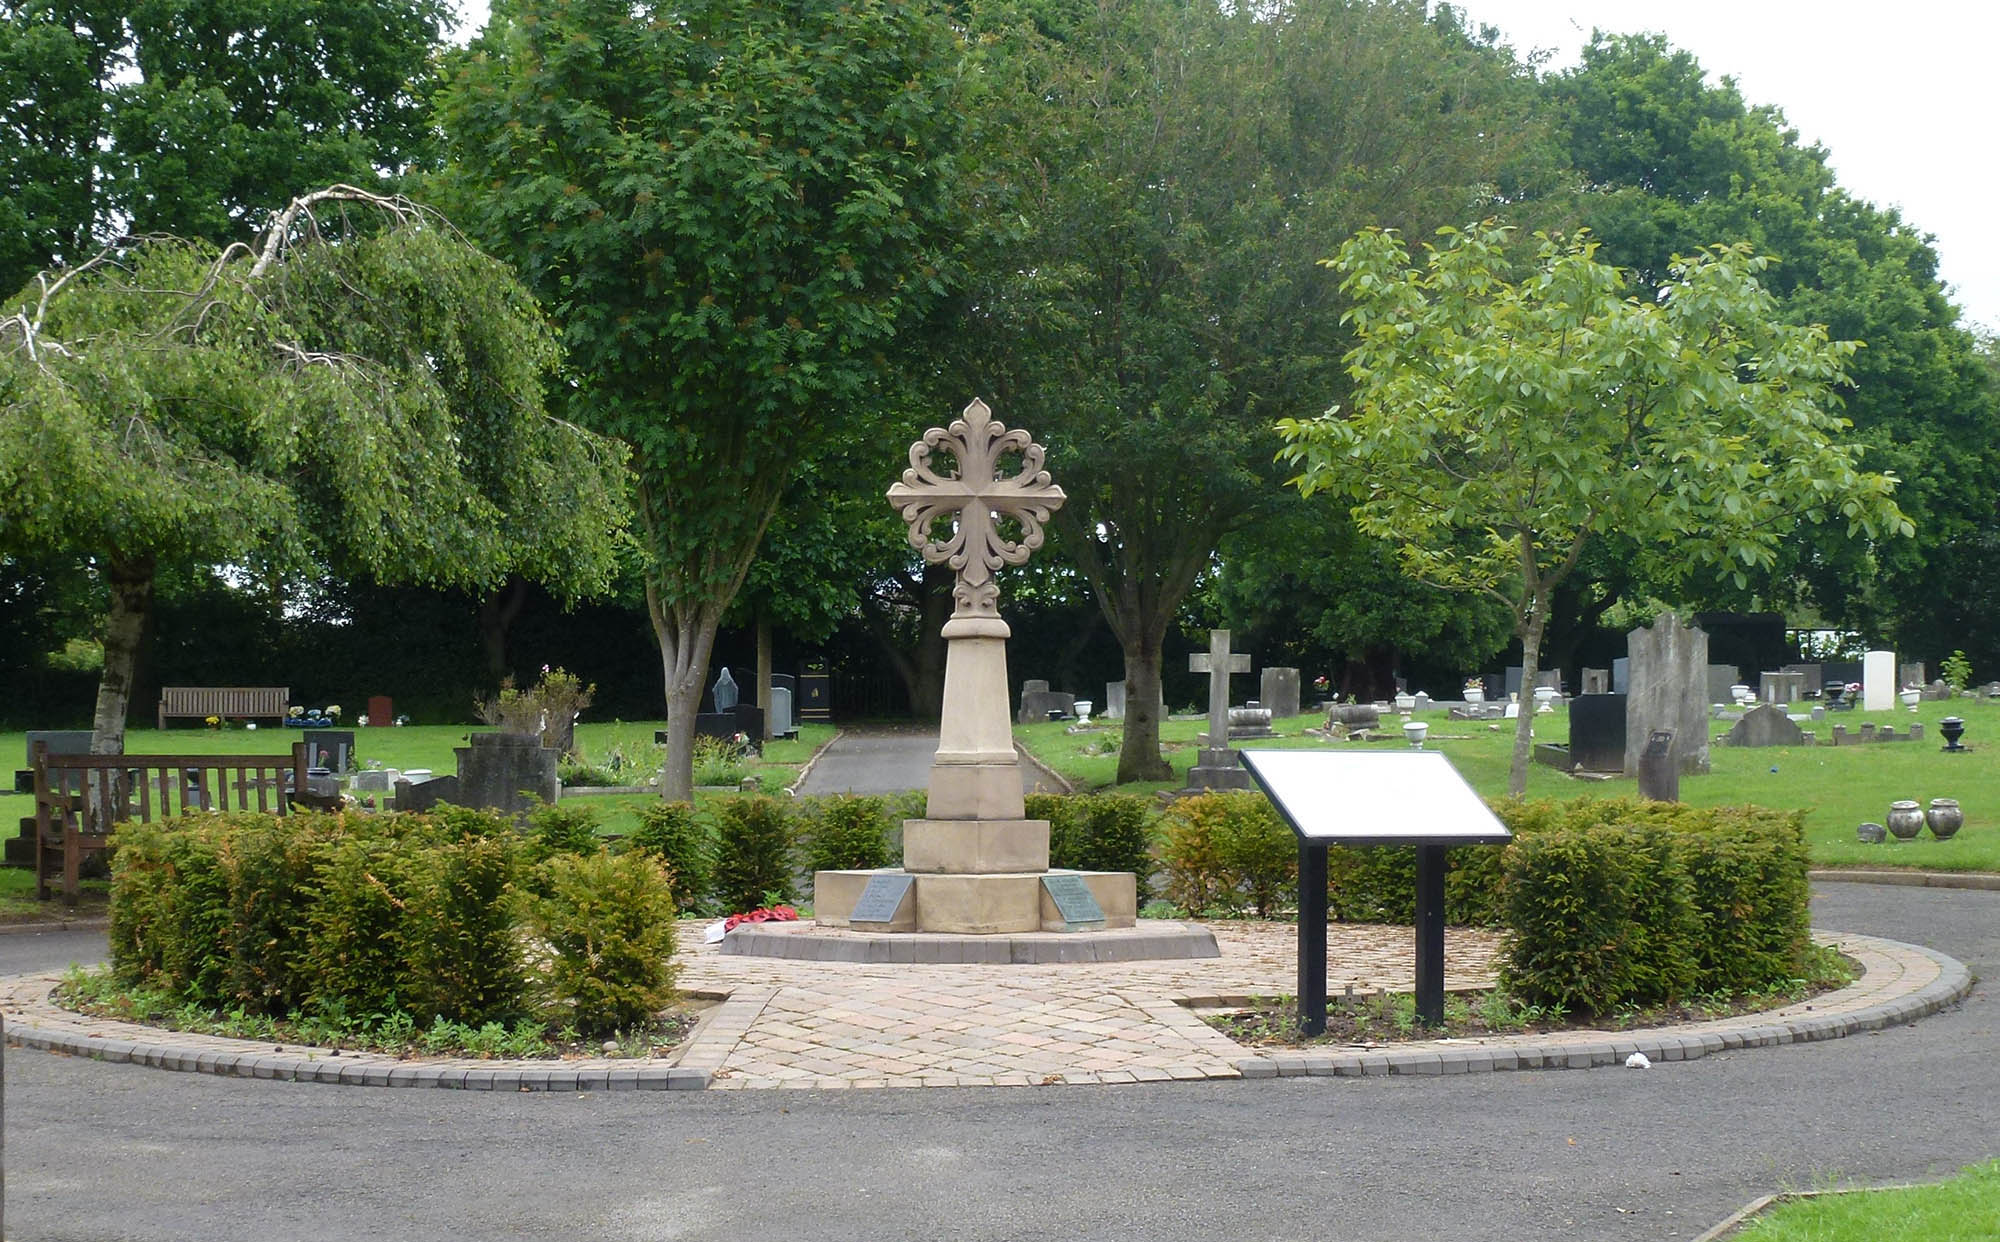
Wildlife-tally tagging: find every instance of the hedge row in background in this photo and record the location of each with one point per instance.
(1605, 902)
(454, 915)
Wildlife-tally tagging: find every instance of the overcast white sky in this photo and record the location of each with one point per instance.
(1903, 95)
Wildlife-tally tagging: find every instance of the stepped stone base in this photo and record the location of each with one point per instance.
(983, 905)
(1151, 940)
(1219, 769)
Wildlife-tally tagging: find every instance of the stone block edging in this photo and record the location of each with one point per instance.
(1985, 880)
(1902, 983)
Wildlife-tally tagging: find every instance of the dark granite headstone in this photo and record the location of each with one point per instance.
(1765, 725)
(1659, 774)
(1597, 732)
(332, 749)
(1842, 672)
(815, 700)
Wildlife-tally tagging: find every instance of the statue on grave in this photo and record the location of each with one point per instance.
(726, 693)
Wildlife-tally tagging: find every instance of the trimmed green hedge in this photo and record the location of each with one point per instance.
(453, 915)
(1099, 832)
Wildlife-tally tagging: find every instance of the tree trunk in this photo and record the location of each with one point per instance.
(1531, 658)
(686, 634)
(1139, 757)
(130, 585)
(764, 666)
(497, 613)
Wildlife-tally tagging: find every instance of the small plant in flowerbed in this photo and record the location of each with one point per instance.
(451, 932)
(1391, 1017)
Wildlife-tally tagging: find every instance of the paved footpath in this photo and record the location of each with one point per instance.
(884, 761)
(98, 1150)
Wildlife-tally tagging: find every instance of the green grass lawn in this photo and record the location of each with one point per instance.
(1963, 1209)
(1839, 787)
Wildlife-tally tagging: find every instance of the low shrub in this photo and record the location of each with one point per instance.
(608, 922)
(845, 832)
(378, 919)
(719, 762)
(1228, 852)
(564, 828)
(1625, 902)
(682, 841)
(753, 864)
(1099, 832)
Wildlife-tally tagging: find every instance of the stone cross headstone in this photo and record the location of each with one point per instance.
(1218, 663)
(1668, 693)
(1279, 690)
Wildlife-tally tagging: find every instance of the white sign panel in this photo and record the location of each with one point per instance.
(1412, 797)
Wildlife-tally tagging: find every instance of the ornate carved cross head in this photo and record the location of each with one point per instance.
(976, 500)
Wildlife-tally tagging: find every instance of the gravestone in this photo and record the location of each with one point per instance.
(1218, 767)
(332, 749)
(1780, 688)
(1511, 680)
(1037, 701)
(1719, 678)
(1938, 691)
(1597, 732)
(381, 711)
(1114, 700)
(1765, 725)
(505, 771)
(1659, 773)
(782, 724)
(1878, 681)
(1596, 681)
(1839, 673)
(1278, 689)
(1812, 678)
(815, 701)
(1668, 693)
(1253, 719)
(425, 794)
(1909, 675)
(1621, 675)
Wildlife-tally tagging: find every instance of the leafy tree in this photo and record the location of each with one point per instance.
(1156, 180)
(193, 117)
(1675, 162)
(362, 391)
(731, 208)
(1538, 408)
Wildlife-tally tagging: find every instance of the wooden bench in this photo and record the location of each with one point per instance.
(79, 799)
(225, 702)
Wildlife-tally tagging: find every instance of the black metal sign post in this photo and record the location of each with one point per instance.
(1312, 936)
(1413, 798)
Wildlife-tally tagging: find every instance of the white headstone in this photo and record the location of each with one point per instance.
(1878, 681)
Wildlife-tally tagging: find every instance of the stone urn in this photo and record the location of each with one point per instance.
(1416, 730)
(1545, 696)
(1910, 697)
(1905, 820)
(1872, 834)
(1406, 702)
(1475, 692)
(1944, 817)
(1953, 728)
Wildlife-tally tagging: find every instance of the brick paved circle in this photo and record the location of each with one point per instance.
(838, 1025)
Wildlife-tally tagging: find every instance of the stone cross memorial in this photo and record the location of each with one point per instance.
(979, 865)
(1218, 663)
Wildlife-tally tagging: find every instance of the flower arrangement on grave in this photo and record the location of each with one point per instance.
(213, 722)
(331, 711)
(1322, 684)
(361, 721)
(763, 914)
(294, 712)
